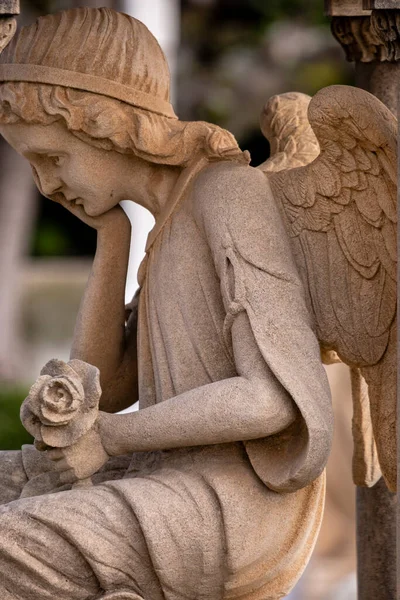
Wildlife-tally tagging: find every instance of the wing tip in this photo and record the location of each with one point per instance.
(332, 104)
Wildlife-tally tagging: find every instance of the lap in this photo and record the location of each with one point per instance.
(158, 535)
(12, 475)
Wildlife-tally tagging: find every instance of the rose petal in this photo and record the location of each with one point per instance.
(52, 418)
(57, 368)
(92, 390)
(90, 376)
(74, 385)
(66, 435)
(82, 368)
(73, 396)
(30, 421)
(30, 408)
(34, 393)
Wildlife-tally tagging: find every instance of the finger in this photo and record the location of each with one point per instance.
(62, 465)
(68, 476)
(55, 453)
(39, 445)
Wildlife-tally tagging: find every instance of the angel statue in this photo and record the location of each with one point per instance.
(214, 489)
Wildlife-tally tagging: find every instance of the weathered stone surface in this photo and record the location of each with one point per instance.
(376, 546)
(345, 8)
(9, 7)
(8, 27)
(381, 4)
(223, 465)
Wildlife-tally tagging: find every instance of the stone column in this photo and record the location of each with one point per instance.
(369, 32)
(370, 39)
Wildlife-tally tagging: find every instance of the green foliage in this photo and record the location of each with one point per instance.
(12, 433)
(311, 77)
(50, 240)
(307, 11)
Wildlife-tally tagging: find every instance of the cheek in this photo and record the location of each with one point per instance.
(76, 179)
(36, 178)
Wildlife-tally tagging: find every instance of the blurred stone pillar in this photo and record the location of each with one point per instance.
(17, 214)
(369, 32)
(16, 196)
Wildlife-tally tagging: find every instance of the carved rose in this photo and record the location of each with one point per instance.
(62, 404)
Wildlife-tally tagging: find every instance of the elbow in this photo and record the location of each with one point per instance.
(269, 408)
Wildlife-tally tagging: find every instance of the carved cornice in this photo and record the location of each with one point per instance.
(367, 39)
(371, 4)
(386, 25)
(9, 7)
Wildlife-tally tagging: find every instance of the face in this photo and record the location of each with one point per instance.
(64, 167)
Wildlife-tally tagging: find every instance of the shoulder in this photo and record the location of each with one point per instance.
(228, 190)
(227, 180)
(234, 207)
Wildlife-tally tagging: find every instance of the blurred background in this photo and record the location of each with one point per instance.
(227, 57)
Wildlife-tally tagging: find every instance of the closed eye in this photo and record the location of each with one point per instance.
(56, 159)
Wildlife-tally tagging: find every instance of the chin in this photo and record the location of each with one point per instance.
(93, 212)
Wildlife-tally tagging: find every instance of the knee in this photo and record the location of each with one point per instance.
(12, 475)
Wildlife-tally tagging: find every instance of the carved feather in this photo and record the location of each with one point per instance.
(340, 211)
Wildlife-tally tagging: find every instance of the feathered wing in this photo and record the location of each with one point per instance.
(284, 122)
(340, 213)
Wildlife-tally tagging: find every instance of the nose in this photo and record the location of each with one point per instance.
(46, 180)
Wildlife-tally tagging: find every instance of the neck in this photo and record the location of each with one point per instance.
(154, 187)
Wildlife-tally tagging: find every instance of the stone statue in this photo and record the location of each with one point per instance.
(214, 489)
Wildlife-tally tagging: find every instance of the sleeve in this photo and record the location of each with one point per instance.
(251, 251)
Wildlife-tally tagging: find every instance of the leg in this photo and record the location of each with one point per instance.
(12, 476)
(74, 545)
(26, 473)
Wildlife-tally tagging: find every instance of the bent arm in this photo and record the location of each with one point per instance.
(250, 406)
(100, 336)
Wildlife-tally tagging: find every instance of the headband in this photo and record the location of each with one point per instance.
(88, 83)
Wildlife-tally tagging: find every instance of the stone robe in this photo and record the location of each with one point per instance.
(227, 521)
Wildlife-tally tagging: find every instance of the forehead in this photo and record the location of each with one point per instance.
(25, 138)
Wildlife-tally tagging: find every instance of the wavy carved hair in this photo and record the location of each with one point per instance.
(111, 45)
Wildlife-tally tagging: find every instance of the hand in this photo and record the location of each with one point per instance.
(115, 217)
(82, 459)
